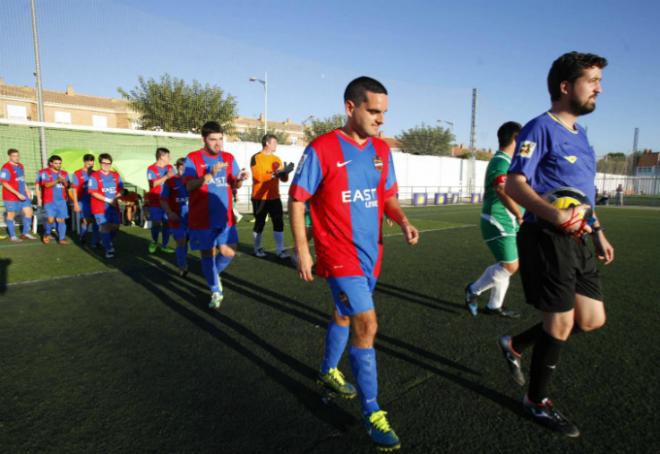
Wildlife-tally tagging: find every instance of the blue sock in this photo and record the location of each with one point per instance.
(61, 230)
(363, 363)
(48, 228)
(155, 229)
(181, 256)
(27, 225)
(83, 229)
(222, 262)
(113, 234)
(335, 344)
(210, 273)
(11, 228)
(166, 235)
(95, 234)
(107, 244)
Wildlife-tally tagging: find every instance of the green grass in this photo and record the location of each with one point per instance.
(124, 357)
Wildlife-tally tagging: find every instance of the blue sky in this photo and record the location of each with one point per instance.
(429, 54)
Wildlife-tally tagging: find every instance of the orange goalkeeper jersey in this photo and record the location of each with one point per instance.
(264, 185)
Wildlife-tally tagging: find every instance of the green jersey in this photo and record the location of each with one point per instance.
(497, 221)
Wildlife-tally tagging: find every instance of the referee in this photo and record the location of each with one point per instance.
(267, 172)
(557, 265)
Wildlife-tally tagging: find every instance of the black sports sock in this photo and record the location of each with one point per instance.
(544, 361)
(527, 338)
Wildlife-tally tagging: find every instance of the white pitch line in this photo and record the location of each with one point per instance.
(59, 278)
(464, 226)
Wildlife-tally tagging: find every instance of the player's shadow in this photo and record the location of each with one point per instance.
(405, 293)
(163, 286)
(159, 279)
(283, 303)
(269, 297)
(4, 274)
(432, 303)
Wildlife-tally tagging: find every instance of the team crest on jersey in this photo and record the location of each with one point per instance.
(378, 164)
(527, 149)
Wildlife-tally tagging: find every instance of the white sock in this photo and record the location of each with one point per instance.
(502, 278)
(279, 241)
(486, 281)
(257, 240)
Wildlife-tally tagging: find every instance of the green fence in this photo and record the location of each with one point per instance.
(119, 145)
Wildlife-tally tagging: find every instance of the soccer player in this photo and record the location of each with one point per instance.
(267, 172)
(82, 202)
(500, 219)
(174, 201)
(16, 196)
(210, 175)
(54, 183)
(347, 175)
(558, 269)
(105, 187)
(157, 174)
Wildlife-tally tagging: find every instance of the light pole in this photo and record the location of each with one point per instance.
(264, 82)
(40, 97)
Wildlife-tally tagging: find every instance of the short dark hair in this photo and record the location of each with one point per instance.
(507, 133)
(103, 156)
(180, 162)
(88, 157)
(267, 138)
(54, 158)
(569, 67)
(211, 127)
(160, 151)
(11, 151)
(357, 89)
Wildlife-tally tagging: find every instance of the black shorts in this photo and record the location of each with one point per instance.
(272, 208)
(554, 267)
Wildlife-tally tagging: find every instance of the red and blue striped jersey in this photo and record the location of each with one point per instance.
(106, 185)
(55, 193)
(14, 174)
(210, 206)
(347, 185)
(175, 193)
(154, 173)
(80, 182)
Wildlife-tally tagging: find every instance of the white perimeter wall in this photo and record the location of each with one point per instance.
(414, 173)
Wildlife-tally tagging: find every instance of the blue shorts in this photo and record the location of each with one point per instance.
(86, 209)
(352, 295)
(203, 240)
(17, 206)
(181, 231)
(157, 215)
(111, 216)
(58, 210)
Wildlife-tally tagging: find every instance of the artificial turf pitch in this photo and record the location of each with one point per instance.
(123, 356)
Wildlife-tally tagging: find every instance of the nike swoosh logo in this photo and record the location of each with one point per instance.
(571, 159)
(342, 164)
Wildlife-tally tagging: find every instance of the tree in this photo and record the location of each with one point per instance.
(256, 134)
(319, 126)
(427, 140)
(171, 104)
(615, 163)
